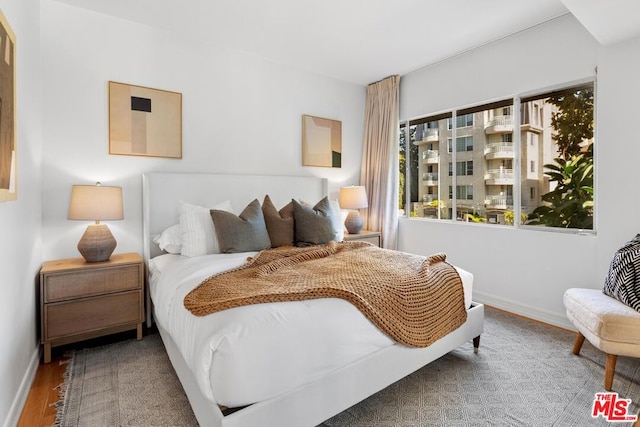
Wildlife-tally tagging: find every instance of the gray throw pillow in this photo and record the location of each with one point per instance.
(280, 224)
(314, 225)
(244, 233)
(623, 279)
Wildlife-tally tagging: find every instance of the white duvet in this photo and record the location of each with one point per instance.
(305, 340)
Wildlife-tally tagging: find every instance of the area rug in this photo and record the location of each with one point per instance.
(524, 375)
(129, 383)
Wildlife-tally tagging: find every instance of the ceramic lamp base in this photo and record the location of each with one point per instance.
(354, 222)
(97, 243)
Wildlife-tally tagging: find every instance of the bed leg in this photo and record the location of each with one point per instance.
(476, 344)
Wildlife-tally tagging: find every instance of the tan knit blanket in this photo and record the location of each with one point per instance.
(413, 299)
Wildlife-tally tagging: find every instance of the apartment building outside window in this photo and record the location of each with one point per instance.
(463, 143)
(462, 168)
(505, 163)
(462, 120)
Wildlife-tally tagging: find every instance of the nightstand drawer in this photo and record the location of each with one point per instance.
(374, 240)
(80, 284)
(74, 317)
(372, 237)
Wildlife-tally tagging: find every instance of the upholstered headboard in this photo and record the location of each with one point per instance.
(161, 193)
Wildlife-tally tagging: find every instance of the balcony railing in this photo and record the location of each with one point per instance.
(429, 178)
(427, 135)
(430, 156)
(499, 149)
(498, 201)
(430, 135)
(499, 124)
(504, 175)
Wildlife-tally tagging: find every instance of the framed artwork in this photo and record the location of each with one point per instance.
(8, 140)
(144, 121)
(321, 142)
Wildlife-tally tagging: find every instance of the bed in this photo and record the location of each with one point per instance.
(218, 373)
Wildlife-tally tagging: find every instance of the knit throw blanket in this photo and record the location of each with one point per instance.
(413, 299)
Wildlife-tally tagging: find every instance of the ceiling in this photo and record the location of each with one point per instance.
(362, 41)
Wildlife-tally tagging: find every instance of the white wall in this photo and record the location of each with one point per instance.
(241, 114)
(20, 247)
(522, 270)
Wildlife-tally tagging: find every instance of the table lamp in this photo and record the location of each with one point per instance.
(96, 203)
(353, 197)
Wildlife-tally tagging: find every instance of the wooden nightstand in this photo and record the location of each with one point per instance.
(80, 300)
(372, 237)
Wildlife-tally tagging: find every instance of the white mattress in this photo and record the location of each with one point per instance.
(225, 350)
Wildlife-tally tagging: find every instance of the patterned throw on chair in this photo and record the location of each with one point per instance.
(623, 279)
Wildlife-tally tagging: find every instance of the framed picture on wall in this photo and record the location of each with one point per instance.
(144, 121)
(321, 142)
(8, 140)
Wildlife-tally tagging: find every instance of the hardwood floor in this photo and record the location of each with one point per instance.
(39, 409)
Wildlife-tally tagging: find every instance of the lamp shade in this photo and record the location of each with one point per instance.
(95, 203)
(353, 197)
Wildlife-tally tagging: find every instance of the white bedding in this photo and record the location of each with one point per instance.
(306, 339)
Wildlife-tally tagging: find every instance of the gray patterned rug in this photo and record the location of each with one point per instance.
(524, 375)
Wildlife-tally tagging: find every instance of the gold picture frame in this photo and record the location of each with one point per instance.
(321, 142)
(144, 121)
(8, 129)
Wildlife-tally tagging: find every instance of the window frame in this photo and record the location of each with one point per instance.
(515, 103)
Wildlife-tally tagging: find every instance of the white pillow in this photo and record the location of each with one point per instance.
(198, 234)
(343, 217)
(338, 219)
(170, 240)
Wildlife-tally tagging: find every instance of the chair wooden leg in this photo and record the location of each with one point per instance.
(609, 370)
(476, 344)
(577, 345)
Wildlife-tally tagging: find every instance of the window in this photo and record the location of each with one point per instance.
(408, 159)
(463, 192)
(462, 168)
(464, 120)
(423, 166)
(463, 143)
(568, 136)
(492, 151)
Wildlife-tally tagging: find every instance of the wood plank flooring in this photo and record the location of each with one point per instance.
(39, 409)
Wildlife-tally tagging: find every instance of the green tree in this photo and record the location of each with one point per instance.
(570, 204)
(412, 154)
(402, 166)
(573, 122)
(401, 180)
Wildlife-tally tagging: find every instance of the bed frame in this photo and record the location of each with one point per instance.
(309, 404)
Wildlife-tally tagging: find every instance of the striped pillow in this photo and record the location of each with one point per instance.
(623, 280)
(198, 234)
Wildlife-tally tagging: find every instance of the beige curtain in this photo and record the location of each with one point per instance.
(379, 172)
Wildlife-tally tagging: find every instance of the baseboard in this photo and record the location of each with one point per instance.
(555, 319)
(23, 391)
